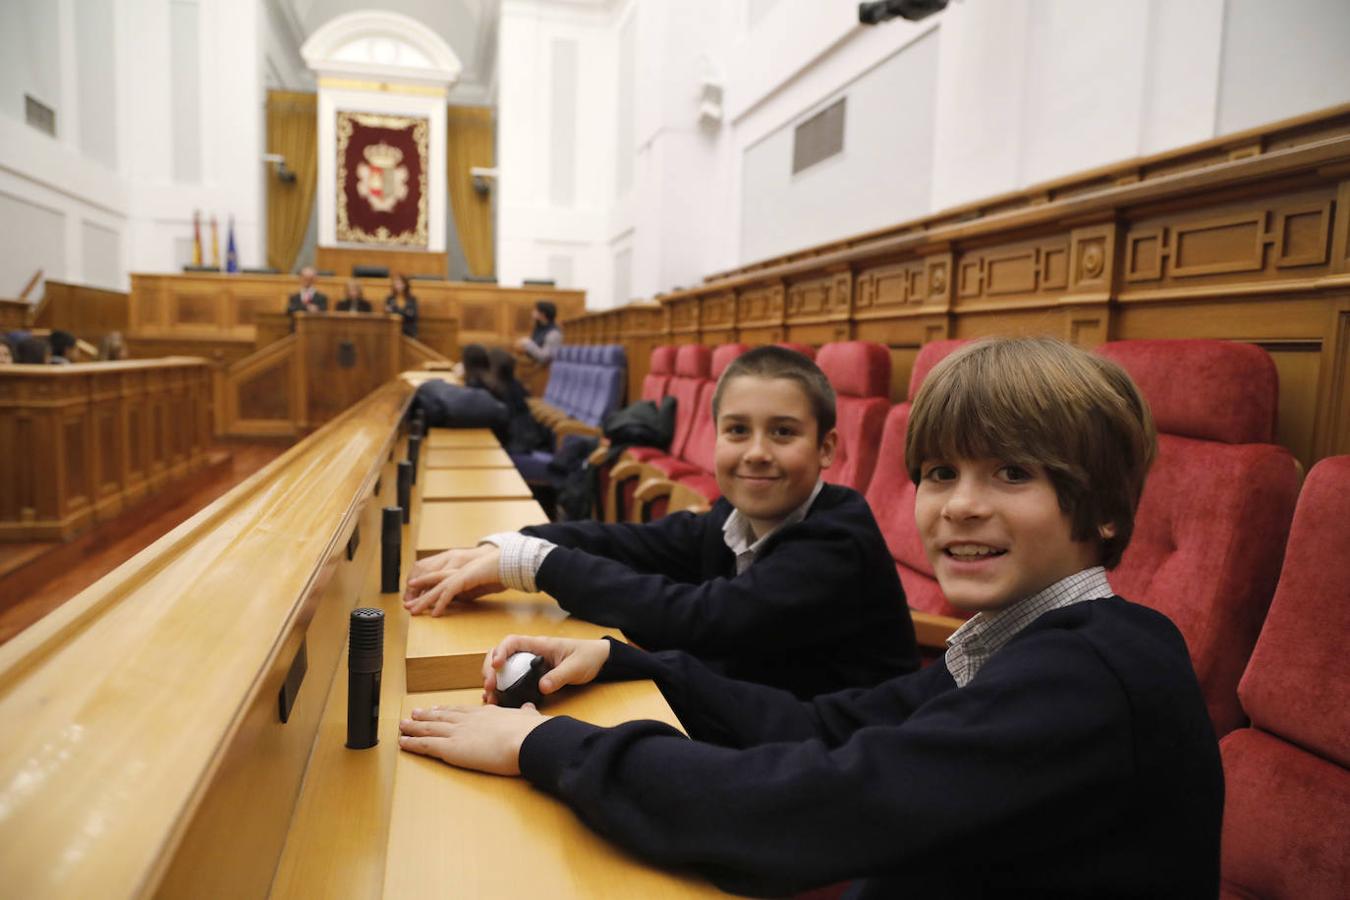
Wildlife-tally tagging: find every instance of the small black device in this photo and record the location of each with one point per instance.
(518, 680)
(391, 548)
(913, 10)
(414, 451)
(405, 490)
(365, 661)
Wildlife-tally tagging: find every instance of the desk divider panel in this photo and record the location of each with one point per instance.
(469, 458)
(446, 653)
(474, 484)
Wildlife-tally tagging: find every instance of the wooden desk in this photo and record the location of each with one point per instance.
(445, 525)
(441, 438)
(468, 458)
(474, 484)
(446, 653)
(466, 834)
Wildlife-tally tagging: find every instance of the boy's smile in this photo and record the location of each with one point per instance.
(994, 532)
(767, 455)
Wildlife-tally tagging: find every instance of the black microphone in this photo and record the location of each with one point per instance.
(365, 660)
(405, 470)
(414, 451)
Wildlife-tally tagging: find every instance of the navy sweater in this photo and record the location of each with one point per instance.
(821, 608)
(1079, 762)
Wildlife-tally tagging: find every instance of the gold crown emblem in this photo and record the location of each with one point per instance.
(383, 156)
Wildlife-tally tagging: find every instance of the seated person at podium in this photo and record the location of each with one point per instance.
(543, 343)
(62, 342)
(401, 302)
(353, 301)
(308, 298)
(787, 581)
(1060, 748)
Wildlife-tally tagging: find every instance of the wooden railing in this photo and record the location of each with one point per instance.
(80, 442)
(1244, 239)
(151, 757)
(87, 312)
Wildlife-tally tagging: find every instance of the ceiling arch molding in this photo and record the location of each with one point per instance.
(382, 45)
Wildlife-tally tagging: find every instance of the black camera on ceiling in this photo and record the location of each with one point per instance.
(884, 10)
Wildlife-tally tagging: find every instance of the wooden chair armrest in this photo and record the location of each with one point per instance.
(651, 488)
(685, 498)
(626, 468)
(599, 453)
(932, 630)
(575, 426)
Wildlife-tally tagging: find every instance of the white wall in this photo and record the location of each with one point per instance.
(114, 191)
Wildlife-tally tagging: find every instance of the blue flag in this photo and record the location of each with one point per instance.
(231, 255)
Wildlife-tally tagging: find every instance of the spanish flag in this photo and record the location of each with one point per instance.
(196, 238)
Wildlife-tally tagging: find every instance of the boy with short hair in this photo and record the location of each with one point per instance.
(1060, 749)
(787, 581)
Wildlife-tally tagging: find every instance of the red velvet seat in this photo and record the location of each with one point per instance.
(1211, 526)
(860, 372)
(691, 370)
(891, 495)
(1286, 826)
(697, 465)
(658, 375)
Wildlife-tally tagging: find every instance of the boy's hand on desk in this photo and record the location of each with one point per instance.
(485, 738)
(466, 575)
(448, 559)
(570, 661)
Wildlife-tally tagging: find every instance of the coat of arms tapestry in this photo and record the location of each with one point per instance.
(381, 179)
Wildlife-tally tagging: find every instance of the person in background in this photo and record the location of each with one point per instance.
(401, 302)
(31, 351)
(61, 343)
(353, 300)
(474, 366)
(308, 298)
(543, 343)
(6, 351)
(113, 347)
(522, 433)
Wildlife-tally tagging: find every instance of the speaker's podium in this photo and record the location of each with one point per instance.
(343, 357)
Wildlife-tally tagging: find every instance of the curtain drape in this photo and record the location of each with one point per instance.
(292, 131)
(470, 142)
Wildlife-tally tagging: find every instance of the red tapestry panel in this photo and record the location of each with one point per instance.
(381, 179)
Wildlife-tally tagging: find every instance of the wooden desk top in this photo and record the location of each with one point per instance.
(450, 524)
(468, 458)
(446, 653)
(474, 484)
(461, 437)
(465, 834)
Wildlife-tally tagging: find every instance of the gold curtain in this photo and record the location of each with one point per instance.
(292, 131)
(469, 142)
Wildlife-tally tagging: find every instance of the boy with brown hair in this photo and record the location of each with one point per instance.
(1060, 748)
(786, 581)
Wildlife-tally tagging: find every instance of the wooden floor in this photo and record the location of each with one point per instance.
(37, 578)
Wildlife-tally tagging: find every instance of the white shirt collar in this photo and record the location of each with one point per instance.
(740, 537)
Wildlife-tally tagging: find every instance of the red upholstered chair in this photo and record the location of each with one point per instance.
(691, 371)
(891, 496)
(1286, 821)
(658, 373)
(1210, 531)
(860, 372)
(694, 467)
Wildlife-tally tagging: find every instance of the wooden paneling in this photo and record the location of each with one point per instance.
(86, 312)
(340, 260)
(1243, 238)
(216, 311)
(14, 314)
(83, 441)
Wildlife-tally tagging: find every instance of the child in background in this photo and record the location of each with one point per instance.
(787, 581)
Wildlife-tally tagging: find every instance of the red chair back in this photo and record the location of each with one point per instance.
(658, 375)
(1211, 526)
(860, 372)
(1286, 823)
(691, 371)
